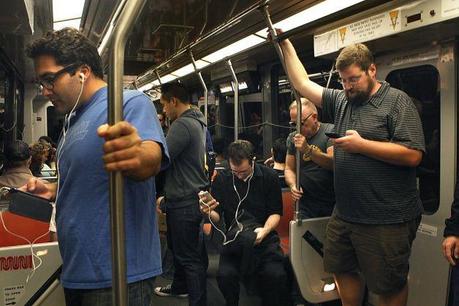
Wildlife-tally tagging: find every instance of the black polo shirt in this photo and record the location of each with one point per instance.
(263, 199)
(367, 190)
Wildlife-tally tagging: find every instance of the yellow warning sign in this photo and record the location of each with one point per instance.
(393, 18)
(362, 30)
(342, 34)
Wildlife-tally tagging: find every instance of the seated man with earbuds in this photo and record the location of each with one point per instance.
(69, 70)
(248, 197)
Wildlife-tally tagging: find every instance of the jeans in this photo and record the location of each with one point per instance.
(184, 238)
(139, 294)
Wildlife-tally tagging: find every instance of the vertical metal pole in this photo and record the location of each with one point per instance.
(127, 18)
(278, 48)
(206, 98)
(235, 84)
(159, 78)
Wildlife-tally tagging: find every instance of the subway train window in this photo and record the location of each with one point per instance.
(421, 83)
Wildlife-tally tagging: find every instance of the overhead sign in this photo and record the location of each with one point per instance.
(449, 8)
(370, 28)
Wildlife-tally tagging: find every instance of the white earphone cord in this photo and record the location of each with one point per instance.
(64, 133)
(236, 215)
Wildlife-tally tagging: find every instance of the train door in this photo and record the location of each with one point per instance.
(428, 77)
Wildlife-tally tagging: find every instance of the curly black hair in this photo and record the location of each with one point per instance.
(67, 46)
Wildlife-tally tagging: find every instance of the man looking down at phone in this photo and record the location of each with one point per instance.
(316, 195)
(248, 197)
(378, 208)
(186, 141)
(69, 70)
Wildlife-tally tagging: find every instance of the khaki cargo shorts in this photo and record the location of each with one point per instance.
(379, 252)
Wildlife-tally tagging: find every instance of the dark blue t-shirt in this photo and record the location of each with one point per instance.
(82, 208)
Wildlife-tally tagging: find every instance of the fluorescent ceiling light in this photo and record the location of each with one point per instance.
(227, 87)
(167, 78)
(105, 39)
(67, 13)
(74, 23)
(224, 88)
(311, 14)
(184, 70)
(239, 46)
(201, 64)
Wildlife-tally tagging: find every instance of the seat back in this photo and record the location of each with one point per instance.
(283, 227)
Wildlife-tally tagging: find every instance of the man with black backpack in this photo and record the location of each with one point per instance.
(186, 141)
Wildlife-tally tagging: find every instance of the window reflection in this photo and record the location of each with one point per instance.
(422, 84)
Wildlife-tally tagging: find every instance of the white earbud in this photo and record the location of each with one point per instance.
(82, 77)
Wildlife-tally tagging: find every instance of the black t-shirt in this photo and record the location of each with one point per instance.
(281, 175)
(263, 199)
(317, 183)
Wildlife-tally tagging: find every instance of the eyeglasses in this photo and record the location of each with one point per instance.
(352, 80)
(293, 123)
(47, 81)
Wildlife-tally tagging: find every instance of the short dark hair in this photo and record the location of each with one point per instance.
(67, 46)
(240, 150)
(358, 54)
(16, 152)
(175, 90)
(279, 150)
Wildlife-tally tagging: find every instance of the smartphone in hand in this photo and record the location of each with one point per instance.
(205, 197)
(332, 135)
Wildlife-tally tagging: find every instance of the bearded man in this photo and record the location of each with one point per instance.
(380, 142)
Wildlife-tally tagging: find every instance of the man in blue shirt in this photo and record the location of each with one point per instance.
(69, 70)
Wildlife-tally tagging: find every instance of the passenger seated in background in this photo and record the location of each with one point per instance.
(16, 168)
(248, 197)
(316, 195)
(40, 153)
(51, 161)
(279, 152)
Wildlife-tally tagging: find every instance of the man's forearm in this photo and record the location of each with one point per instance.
(391, 153)
(52, 187)
(324, 160)
(272, 222)
(214, 216)
(290, 177)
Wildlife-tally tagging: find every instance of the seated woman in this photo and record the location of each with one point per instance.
(40, 153)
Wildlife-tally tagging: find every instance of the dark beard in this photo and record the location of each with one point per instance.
(360, 96)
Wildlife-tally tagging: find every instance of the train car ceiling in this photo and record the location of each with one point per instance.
(22, 21)
(248, 31)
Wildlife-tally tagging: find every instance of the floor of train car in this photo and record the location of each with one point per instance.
(214, 297)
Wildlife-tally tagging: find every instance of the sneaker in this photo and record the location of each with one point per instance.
(167, 291)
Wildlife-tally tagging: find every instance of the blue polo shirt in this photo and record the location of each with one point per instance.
(82, 208)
